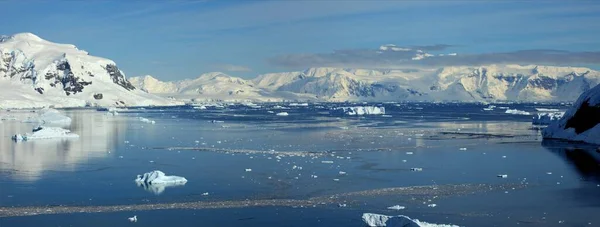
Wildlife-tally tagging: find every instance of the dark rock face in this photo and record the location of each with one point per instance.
(118, 78)
(40, 90)
(71, 83)
(585, 118)
(98, 96)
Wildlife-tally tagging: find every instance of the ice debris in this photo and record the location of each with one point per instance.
(376, 220)
(359, 110)
(146, 120)
(547, 118)
(45, 133)
(283, 114)
(396, 207)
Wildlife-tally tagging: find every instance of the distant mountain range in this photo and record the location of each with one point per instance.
(37, 73)
(466, 84)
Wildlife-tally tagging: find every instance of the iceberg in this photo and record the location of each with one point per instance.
(546, 118)
(360, 110)
(517, 112)
(397, 221)
(156, 181)
(45, 133)
(282, 114)
(146, 120)
(581, 122)
(50, 117)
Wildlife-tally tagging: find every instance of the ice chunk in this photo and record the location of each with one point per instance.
(502, 175)
(282, 114)
(463, 149)
(416, 169)
(146, 120)
(359, 110)
(546, 118)
(248, 170)
(298, 104)
(581, 122)
(432, 205)
(158, 177)
(517, 112)
(397, 221)
(327, 162)
(396, 207)
(133, 219)
(46, 133)
(50, 117)
(546, 110)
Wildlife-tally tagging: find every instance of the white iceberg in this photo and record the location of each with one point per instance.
(546, 118)
(45, 133)
(397, 221)
(158, 177)
(146, 120)
(581, 122)
(517, 112)
(546, 110)
(156, 181)
(283, 114)
(360, 110)
(50, 117)
(396, 207)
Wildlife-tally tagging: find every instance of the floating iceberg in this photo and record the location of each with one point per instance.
(581, 122)
(298, 104)
(546, 110)
(156, 181)
(397, 221)
(50, 117)
(396, 207)
(146, 120)
(158, 177)
(360, 110)
(46, 133)
(546, 118)
(283, 114)
(517, 112)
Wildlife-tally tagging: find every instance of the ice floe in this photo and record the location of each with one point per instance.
(359, 110)
(44, 132)
(516, 112)
(158, 177)
(282, 114)
(146, 120)
(377, 220)
(396, 207)
(546, 118)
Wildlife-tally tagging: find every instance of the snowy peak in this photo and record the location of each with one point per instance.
(44, 70)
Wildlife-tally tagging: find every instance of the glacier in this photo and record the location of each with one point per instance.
(581, 122)
(377, 220)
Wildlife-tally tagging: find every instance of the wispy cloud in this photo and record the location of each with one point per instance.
(234, 68)
(392, 56)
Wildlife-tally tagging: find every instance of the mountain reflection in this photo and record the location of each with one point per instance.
(28, 160)
(585, 159)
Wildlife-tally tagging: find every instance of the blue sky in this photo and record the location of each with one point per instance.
(173, 40)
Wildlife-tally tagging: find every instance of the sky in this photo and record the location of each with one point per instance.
(173, 40)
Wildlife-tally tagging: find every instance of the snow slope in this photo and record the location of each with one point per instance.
(38, 73)
(581, 122)
(462, 83)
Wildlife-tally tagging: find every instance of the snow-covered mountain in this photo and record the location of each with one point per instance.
(484, 83)
(36, 73)
(215, 86)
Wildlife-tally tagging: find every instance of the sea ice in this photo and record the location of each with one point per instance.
(46, 133)
(517, 112)
(546, 118)
(377, 220)
(158, 177)
(360, 110)
(146, 120)
(396, 207)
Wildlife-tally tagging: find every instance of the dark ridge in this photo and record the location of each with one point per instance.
(585, 118)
